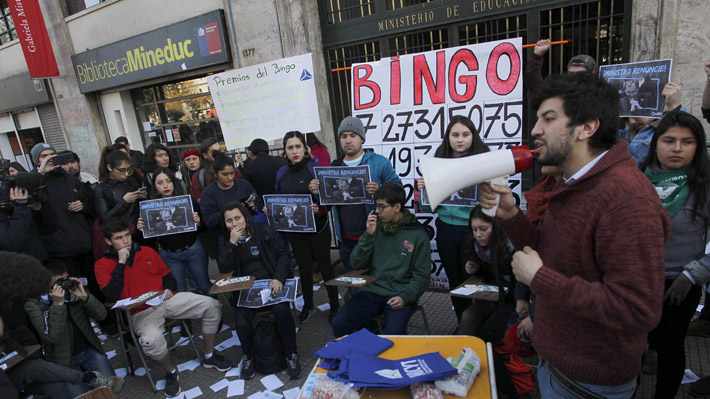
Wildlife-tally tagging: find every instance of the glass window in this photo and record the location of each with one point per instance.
(177, 114)
(74, 6)
(7, 26)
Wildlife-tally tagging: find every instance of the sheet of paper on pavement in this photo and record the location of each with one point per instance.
(292, 393)
(272, 382)
(235, 388)
(189, 365)
(323, 307)
(220, 385)
(689, 377)
(272, 395)
(193, 393)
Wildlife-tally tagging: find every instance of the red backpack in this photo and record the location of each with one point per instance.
(523, 376)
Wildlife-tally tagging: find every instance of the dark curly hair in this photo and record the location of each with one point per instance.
(22, 277)
(149, 163)
(585, 97)
(177, 183)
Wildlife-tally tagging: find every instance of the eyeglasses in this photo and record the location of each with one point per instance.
(124, 171)
(382, 207)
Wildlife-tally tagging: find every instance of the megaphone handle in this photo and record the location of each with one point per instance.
(501, 181)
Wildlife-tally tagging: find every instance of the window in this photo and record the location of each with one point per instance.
(75, 6)
(7, 26)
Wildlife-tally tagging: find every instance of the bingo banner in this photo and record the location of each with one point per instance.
(406, 102)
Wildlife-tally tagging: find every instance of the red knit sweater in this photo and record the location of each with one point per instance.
(600, 290)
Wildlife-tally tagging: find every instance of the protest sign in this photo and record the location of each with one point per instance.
(343, 185)
(260, 295)
(167, 216)
(640, 85)
(406, 102)
(465, 197)
(290, 212)
(266, 100)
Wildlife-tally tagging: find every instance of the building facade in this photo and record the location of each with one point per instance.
(138, 68)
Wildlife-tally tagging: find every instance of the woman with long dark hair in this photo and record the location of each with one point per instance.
(182, 252)
(460, 140)
(158, 156)
(319, 152)
(293, 178)
(490, 255)
(679, 167)
(118, 194)
(248, 248)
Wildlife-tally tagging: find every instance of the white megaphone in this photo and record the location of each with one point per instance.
(444, 176)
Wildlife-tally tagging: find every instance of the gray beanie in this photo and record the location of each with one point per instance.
(352, 124)
(37, 149)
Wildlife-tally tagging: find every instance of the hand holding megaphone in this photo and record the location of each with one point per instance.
(447, 175)
(497, 199)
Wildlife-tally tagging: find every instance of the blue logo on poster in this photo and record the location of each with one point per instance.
(305, 75)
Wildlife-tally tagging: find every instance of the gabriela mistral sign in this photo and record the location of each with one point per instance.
(34, 39)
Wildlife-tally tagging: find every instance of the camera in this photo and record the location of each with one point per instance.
(67, 285)
(32, 182)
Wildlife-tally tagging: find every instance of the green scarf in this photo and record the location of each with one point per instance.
(393, 227)
(671, 186)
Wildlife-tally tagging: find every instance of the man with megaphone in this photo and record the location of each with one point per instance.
(595, 263)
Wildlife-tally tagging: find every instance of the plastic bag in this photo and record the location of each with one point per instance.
(425, 390)
(468, 365)
(327, 388)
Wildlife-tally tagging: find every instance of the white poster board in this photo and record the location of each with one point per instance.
(265, 100)
(406, 102)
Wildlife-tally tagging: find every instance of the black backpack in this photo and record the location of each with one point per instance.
(268, 351)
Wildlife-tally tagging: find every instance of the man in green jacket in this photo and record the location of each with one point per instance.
(398, 254)
(62, 320)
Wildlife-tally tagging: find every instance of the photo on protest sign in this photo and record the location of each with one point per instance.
(640, 85)
(167, 216)
(290, 212)
(260, 295)
(465, 197)
(343, 185)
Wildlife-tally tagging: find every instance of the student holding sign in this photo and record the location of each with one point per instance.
(350, 219)
(452, 227)
(183, 251)
(294, 178)
(254, 249)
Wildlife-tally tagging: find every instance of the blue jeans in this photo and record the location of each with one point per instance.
(346, 247)
(88, 360)
(551, 389)
(193, 259)
(363, 307)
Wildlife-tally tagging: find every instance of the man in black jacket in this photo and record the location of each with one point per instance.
(136, 156)
(261, 170)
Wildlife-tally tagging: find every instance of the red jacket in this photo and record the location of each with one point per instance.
(600, 289)
(145, 274)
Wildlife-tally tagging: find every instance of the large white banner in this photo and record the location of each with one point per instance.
(266, 100)
(406, 102)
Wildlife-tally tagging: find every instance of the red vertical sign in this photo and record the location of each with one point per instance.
(34, 38)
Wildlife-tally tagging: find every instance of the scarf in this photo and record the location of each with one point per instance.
(394, 226)
(671, 186)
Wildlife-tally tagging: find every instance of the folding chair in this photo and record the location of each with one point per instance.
(130, 369)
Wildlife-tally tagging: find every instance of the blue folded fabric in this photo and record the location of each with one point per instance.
(363, 340)
(365, 370)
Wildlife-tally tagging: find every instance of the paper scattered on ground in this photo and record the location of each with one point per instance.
(272, 395)
(224, 328)
(189, 365)
(102, 337)
(228, 343)
(272, 382)
(699, 308)
(120, 372)
(292, 393)
(160, 385)
(257, 395)
(218, 386)
(299, 303)
(316, 288)
(157, 300)
(462, 291)
(140, 372)
(235, 388)
(193, 393)
(689, 377)
(110, 354)
(176, 329)
(182, 341)
(235, 371)
(323, 307)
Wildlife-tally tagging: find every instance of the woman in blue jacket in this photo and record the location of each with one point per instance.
(460, 140)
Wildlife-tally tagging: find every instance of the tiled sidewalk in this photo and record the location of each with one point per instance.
(316, 332)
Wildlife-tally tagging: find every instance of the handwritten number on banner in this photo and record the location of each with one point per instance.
(507, 116)
(476, 120)
(512, 184)
(402, 155)
(438, 116)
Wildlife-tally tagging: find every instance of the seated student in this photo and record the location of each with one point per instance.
(248, 248)
(64, 326)
(128, 270)
(490, 255)
(398, 252)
